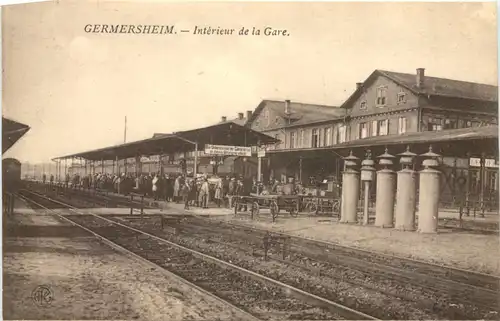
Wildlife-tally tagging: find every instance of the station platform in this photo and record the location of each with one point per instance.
(21, 207)
(465, 250)
(88, 280)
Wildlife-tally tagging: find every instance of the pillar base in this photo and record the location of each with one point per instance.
(405, 228)
(385, 226)
(427, 232)
(349, 222)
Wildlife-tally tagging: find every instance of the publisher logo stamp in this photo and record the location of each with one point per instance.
(42, 296)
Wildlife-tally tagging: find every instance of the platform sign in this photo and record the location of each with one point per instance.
(150, 159)
(226, 150)
(489, 162)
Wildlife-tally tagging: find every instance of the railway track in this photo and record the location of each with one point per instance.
(410, 268)
(86, 198)
(453, 293)
(474, 279)
(259, 296)
(439, 298)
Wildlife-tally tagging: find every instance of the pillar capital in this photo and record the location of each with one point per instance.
(351, 161)
(407, 158)
(386, 159)
(430, 159)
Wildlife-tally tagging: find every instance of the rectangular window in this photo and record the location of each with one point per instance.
(401, 98)
(402, 125)
(381, 96)
(328, 137)
(363, 130)
(314, 138)
(362, 105)
(321, 138)
(383, 127)
(292, 140)
(374, 128)
(341, 134)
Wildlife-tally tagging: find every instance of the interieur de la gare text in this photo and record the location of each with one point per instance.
(171, 29)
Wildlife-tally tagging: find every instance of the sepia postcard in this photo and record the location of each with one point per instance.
(250, 161)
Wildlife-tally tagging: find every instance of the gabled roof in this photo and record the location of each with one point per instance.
(434, 86)
(12, 131)
(301, 113)
(237, 121)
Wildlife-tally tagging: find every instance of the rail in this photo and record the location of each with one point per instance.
(302, 296)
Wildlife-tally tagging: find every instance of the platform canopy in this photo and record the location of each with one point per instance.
(459, 142)
(227, 133)
(12, 131)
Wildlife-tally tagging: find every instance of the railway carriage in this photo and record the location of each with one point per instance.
(11, 171)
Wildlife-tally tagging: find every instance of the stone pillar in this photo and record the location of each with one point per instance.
(428, 201)
(367, 173)
(384, 208)
(406, 193)
(350, 191)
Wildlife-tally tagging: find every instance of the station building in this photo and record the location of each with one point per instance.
(388, 110)
(394, 110)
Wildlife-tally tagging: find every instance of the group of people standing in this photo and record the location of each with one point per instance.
(199, 191)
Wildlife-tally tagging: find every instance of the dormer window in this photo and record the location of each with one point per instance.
(381, 96)
(401, 98)
(362, 105)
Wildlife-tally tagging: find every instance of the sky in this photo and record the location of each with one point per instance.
(74, 88)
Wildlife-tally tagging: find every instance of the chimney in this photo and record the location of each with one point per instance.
(287, 107)
(223, 119)
(359, 85)
(249, 114)
(240, 115)
(420, 77)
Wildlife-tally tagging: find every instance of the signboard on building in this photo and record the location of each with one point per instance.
(489, 162)
(226, 150)
(261, 153)
(150, 159)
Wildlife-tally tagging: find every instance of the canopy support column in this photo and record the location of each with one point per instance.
(160, 167)
(482, 180)
(300, 169)
(138, 165)
(195, 165)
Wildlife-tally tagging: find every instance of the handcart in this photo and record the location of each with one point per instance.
(275, 203)
(318, 205)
